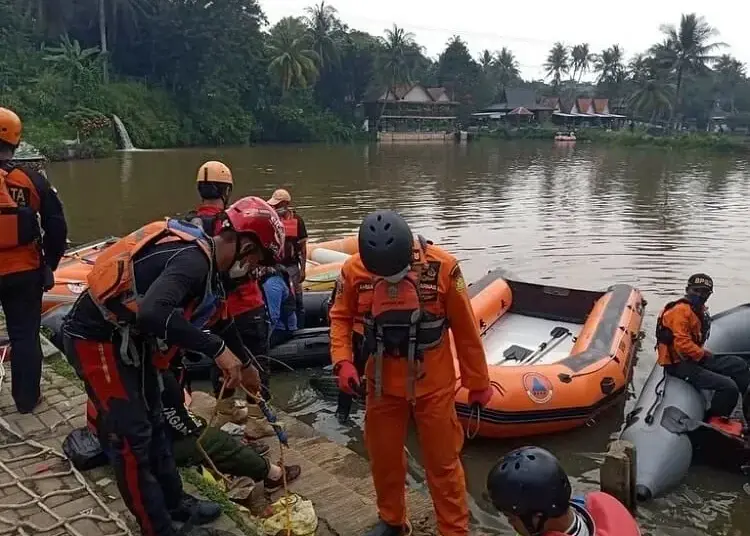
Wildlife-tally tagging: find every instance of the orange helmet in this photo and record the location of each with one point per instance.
(214, 171)
(10, 127)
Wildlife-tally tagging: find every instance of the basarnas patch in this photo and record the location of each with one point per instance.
(458, 279)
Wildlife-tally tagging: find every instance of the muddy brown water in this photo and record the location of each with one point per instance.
(583, 216)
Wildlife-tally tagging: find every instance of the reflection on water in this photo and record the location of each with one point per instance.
(580, 216)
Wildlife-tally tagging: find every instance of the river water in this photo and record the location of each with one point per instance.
(581, 216)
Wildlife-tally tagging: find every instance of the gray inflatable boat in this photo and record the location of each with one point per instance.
(663, 454)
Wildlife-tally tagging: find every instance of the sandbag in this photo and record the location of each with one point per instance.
(84, 450)
(304, 520)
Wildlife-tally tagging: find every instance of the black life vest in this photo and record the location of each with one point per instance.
(665, 336)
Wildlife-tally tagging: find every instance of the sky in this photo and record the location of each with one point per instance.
(529, 28)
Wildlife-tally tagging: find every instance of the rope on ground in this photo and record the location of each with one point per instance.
(283, 442)
(22, 527)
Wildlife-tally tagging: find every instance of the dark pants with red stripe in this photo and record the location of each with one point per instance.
(130, 425)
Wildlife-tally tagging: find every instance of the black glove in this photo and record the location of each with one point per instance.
(48, 278)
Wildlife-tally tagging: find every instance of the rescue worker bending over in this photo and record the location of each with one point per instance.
(400, 296)
(295, 248)
(530, 488)
(681, 331)
(28, 258)
(245, 300)
(150, 293)
(279, 297)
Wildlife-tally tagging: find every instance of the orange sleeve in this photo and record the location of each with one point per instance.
(679, 320)
(342, 317)
(472, 362)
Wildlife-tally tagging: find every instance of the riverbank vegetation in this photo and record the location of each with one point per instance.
(191, 73)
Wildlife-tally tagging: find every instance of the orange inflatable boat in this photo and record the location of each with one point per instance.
(557, 357)
(323, 267)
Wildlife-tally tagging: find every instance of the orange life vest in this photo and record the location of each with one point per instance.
(291, 237)
(607, 515)
(113, 289)
(667, 354)
(399, 323)
(20, 229)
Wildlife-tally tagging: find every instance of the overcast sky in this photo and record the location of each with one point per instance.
(529, 28)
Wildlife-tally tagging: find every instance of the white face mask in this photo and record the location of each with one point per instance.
(239, 270)
(395, 278)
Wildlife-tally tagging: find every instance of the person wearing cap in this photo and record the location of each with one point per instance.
(295, 247)
(33, 236)
(682, 329)
(531, 489)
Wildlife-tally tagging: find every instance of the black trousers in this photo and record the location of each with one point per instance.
(21, 299)
(253, 328)
(727, 375)
(130, 426)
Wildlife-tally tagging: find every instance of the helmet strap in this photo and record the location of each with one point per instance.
(534, 529)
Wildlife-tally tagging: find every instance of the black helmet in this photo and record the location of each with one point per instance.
(385, 243)
(529, 482)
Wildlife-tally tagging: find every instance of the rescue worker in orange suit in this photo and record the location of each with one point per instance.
(150, 293)
(245, 299)
(681, 331)
(399, 296)
(532, 490)
(33, 236)
(295, 248)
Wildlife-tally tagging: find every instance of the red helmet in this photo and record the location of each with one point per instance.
(253, 216)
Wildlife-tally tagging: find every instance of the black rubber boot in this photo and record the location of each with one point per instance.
(384, 529)
(195, 511)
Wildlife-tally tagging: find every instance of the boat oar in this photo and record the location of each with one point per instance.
(549, 347)
(678, 422)
(556, 333)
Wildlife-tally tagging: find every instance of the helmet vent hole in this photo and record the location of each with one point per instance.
(389, 241)
(531, 457)
(387, 226)
(372, 228)
(503, 466)
(372, 243)
(517, 466)
(380, 217)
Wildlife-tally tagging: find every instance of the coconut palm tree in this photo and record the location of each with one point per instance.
(507, 67)
(486, 60)
(609, 66)
(321, 20)
(688, 48)
(558, 63)
(653, 96)
(293, 62)
(396, 58)
(581, 60)
(730, 72)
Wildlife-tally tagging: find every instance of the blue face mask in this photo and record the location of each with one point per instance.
(696, 300)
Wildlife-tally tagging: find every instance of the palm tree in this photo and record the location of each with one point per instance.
(558, 63)
(320, 21)
(507, 67)
(48, 16)
(688, 49)
(293, 62)
(654, 96)
(486, 60)
(730, 72)
(398, 45)
(581, 59)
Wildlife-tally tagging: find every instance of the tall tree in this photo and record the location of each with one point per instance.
(557, 64)
(609, 65)
(581, 60)
(730, 73)
(507, 67)
(396, 60)
(486, 60)
(293, 62)
(321, 21)
(688, 48)
(458, 71)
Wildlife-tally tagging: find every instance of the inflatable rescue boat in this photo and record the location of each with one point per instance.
(557, 356)
(323, 267)
(663, 424)
(310, 347)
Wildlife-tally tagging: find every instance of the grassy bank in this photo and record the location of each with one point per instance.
(638, 138)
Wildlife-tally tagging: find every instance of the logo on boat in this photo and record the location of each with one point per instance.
(538, 387)
(76, 288)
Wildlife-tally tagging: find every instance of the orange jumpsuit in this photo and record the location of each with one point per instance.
(442, 291)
